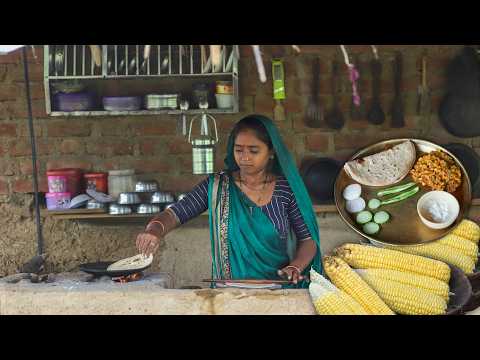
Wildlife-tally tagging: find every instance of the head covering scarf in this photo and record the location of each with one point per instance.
(251, 247)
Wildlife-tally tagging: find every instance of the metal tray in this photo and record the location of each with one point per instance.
(405, 227)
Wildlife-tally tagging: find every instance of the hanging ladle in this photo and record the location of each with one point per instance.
(335, 119)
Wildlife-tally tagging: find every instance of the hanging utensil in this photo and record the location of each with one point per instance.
(315, 115)
(216, 54)
(357, 112)
(424, 107)
(146, 56)
(334, 118)
(182, 124)
(259, 61)
(398, 114)
(279, 94)
(96, 54)
(375, 115)
(203, 104)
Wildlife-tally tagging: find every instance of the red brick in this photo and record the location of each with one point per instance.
(153, 128)
(3, 188)
(8, 130)
(23, 130)
(23, 186)
(19, 109)
(294, 104)
(26, 167)
(179, 146)
(346, 142)
(37, 90)
(23, 147)
(7, 167)
(147, 147)
(69, 129)
(148, 166)
(9, 91)
(317, 142)
(180, 184)
(114, 127)
(109, 148)
(264, 106)
(72, 146)
(66, 163)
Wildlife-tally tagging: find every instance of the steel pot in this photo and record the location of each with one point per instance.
(146, 186)
(117, 209)
(148, 209)
(129, 199)
(161, 198)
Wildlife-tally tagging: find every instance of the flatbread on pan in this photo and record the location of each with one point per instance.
(133, 263)
(385, 168)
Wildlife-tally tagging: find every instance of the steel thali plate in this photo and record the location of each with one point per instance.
(405, 227)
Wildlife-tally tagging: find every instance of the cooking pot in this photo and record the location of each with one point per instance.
(319, 176)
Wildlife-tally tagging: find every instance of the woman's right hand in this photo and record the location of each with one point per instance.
(147, 243)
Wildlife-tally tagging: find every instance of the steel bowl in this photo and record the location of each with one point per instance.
(129, 199)
(161, 198)
(93, 204)
(148, 209)
(117, 209)
(146, 186)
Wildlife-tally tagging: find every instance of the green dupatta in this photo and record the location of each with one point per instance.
(245, 243)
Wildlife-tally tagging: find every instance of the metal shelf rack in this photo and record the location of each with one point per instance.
(169, 69)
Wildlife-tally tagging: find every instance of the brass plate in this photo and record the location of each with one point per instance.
(405, 226)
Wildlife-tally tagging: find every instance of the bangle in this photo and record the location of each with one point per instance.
(295, 268)
(156, 222)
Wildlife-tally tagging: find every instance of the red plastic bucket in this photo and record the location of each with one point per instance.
(97, 182)
(74, 179)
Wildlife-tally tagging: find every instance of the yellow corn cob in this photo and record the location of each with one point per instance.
(442, 253)
(462, 245)
(333, 302)
(343, 277)
(369, 257)
(468, 230)
(427, 283)
(406, 299)
(329, 300)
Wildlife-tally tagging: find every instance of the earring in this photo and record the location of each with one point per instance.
(272, 157)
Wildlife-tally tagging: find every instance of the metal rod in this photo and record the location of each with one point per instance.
(83, 60)
(191, 59)
(170, 59)
(34, 153)
(137, 57)
(180, 56)
(126, 60)
(116, 59)
(159, 60)
(65, 60)
(75, 60)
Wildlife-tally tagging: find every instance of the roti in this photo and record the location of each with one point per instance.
(134, 263)
(385, 168)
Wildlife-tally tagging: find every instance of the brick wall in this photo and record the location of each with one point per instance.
(150, 145)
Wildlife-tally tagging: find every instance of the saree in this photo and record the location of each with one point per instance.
(244, 241)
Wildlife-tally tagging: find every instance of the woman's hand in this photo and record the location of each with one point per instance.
(291, 273)
(147, 243)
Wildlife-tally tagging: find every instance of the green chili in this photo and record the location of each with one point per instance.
(402, 196)
(396, 189)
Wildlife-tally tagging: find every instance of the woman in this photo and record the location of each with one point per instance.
(262, 223)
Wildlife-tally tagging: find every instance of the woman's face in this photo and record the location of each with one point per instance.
(251, 154)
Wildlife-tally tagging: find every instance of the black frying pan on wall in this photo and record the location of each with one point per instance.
(319, 176)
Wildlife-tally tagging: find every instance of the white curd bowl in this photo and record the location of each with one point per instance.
(447, 200)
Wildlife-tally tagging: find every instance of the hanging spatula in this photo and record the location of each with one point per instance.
(424, 108)
(398, 114)
(376, 116)
(334, 118)
(279, 94)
